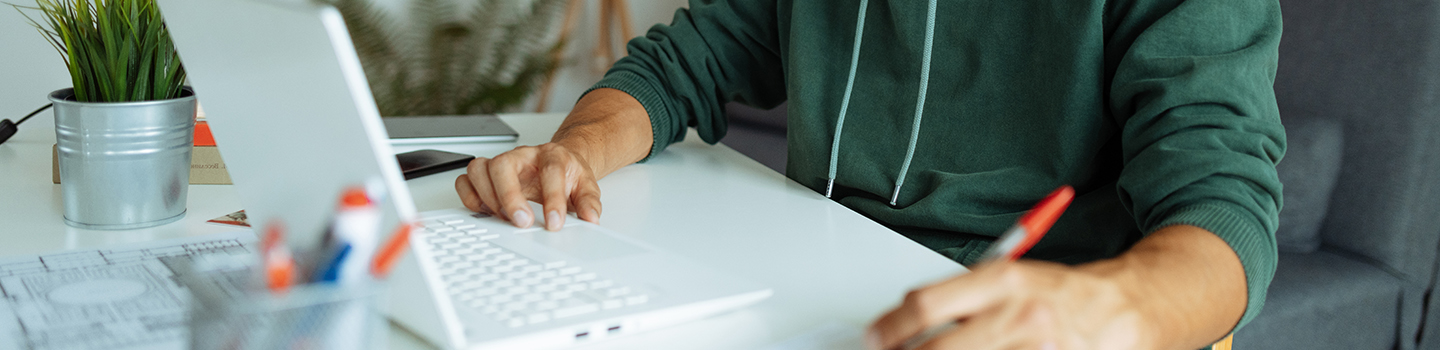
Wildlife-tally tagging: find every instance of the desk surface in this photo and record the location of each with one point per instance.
(825, 262)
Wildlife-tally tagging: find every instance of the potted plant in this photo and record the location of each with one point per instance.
(456, 57)
(124, 129)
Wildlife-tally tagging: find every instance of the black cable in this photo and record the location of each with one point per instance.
(8, 129)
(32, 114)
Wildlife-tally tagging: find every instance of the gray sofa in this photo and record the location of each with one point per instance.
(1359, 93)
(757, 133)
(1360, 227)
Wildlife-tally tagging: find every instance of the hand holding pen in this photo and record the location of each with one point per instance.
(932, 315)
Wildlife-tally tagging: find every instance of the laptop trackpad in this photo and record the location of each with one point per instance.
(583, 242)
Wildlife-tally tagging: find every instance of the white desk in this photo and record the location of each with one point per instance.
(709, 203)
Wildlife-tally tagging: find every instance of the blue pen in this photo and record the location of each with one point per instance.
(332, 272)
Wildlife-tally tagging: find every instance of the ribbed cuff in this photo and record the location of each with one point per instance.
(660, 122)
(1252, 243)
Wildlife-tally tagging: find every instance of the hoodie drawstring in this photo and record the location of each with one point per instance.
(919, 103)
(845, 103)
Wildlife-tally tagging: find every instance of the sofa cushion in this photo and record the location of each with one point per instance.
(1323, 300)
(773, 118)
(764, 145)
(1308, 172)
(758, 134)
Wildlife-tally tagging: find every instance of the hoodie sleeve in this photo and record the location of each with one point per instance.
(1193, 94)
(711, 53)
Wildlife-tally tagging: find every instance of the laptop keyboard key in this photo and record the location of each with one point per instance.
(618, 291)
(576, 310)
(637, 299)
(515, 322)
(612, 304)
(514, 306)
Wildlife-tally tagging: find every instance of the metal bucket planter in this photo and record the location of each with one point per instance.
(124, 165)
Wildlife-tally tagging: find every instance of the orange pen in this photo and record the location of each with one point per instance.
(279, 263)
(1031, 227)
(390, 253)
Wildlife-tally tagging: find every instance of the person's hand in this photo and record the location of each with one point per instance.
(1018, 305)
(549, 174)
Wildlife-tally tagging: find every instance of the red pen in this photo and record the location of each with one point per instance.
(1014, 243)
(1031, 227)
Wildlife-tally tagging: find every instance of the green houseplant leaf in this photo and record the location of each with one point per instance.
(480, 56)
(115, 50)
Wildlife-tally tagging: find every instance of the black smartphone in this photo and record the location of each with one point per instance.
(428, 161)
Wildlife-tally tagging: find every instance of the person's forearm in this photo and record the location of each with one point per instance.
(1188, 283)
(609, 129)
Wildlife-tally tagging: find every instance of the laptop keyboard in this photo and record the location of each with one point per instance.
(512, 288)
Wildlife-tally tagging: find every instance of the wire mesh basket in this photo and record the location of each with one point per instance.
(229, 311)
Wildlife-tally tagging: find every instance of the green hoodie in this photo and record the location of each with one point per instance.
(1158, 112)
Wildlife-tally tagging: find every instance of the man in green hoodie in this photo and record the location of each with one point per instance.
(945, 120)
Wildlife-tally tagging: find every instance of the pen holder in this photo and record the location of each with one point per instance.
(315, 316)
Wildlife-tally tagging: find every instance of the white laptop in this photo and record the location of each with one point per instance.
(289, 106)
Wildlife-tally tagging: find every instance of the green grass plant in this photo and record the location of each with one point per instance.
(455, 56)
(115, 50)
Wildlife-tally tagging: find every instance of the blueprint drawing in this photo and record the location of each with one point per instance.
(120, 297)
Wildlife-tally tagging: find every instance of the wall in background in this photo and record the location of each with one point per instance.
(30, 68)
(576, 78)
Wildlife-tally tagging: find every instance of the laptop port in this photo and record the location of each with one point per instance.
(614, 329)
(582, 335)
